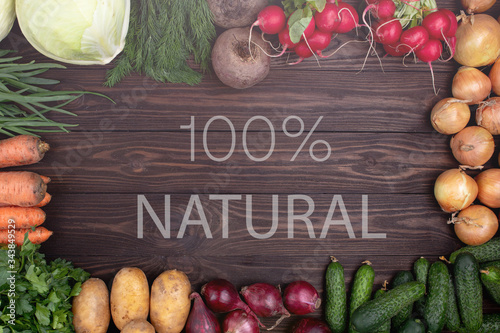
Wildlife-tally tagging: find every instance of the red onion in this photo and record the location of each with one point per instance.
(265, 301)
(221, 296)
(238, 321)
(301, 298)
(311, 325)
(201, 319)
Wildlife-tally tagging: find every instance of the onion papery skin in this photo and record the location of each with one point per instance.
(495, 77)
(488, 115)
(488, 182)
(470, 84)
(475, 225)
(454, 190)
(450, 115)
(238, 321)
(477, 6)
(478, 41)
(473, 146)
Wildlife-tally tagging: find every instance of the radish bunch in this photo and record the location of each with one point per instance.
(306, 27)
(430, 30)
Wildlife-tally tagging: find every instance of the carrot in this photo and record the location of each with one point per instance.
(45, 179)
(21, 188)
(21, 217)
(38, 236)
(45, 200)
(21, 150)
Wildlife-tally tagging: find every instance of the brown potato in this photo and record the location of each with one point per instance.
(91, 312)
(129, 296)
(138, 326)
(170, 303)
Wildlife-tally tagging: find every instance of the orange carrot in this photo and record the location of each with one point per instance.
(21, 217)
(45, 179)
(21, 188)
(45, 200)
(21, 150)
(38, 236)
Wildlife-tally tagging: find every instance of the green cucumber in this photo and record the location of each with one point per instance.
(491, 324)
(362, 288)
(490, 277)
(336, 298)
(452, 314)
(412, 325)
(371, 315)
(437, 298)
(469, 291)
(386, 326)
(400, 278)
(421, 270)
(489, 251)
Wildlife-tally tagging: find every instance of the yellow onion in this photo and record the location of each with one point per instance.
(450, 115)
(470, 84)
(475, 225)
(488, 115)
(495, 76)
(473, 146)
(455, 190)
(488, 183)
(478, 40)
(477, 6)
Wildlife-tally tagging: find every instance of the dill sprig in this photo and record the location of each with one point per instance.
(24, 104)
(162, 35)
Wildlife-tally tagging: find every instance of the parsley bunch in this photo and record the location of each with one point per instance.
(35, 295)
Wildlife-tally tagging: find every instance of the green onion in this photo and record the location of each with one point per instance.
(24, 103)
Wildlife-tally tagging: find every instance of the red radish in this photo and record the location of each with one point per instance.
(413, 39)
(285, 41)
(328, 19)
(201, 319)
(238, 321)
(265, 301)
(311, 325)
(453, 22)
(221, 296)
(271, 20)
(394, 50)
(319, 41)
(303, 51)
(301, 298)
(349, 18)
(309, 30)
(387, 31)
(430, 52)
(437, 23)
(381, 9)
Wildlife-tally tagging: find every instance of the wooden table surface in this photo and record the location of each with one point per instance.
(385, 157)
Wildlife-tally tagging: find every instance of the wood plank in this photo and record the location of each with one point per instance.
(410, 224)
(160, 162)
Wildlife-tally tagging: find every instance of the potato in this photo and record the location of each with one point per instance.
(170, 303)
(138, 326)
(91, 307)
(235, 13)
(129, 296)
(232, 62)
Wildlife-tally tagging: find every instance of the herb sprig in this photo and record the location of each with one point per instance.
(162, 35)
(42, 291)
